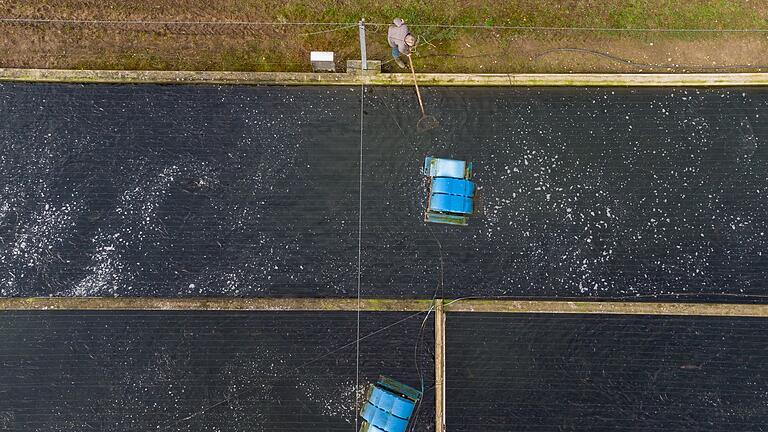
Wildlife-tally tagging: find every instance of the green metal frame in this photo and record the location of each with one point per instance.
(443, 218)
(398, 387)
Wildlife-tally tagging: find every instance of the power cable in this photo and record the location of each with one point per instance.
(645, 65)
(611, 57)
(439, 287)
(419, 338)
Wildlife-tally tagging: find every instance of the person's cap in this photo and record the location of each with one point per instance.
(410, 40)
(398, 22)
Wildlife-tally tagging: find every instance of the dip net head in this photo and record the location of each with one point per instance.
(426, 122)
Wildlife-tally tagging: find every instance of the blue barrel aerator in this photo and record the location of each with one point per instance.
(388, 407)
(451, 192)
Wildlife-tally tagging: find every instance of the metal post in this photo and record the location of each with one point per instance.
(439, 366)
(363, 56)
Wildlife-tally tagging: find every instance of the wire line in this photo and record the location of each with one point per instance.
(350, 24)
(294, 369)
(359, 256)
(160, 22)
(329, 30)
(595, 29)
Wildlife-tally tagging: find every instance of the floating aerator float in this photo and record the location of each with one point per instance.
(450, 191)
(388, 406)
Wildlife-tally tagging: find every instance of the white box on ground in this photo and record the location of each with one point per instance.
(322, 61)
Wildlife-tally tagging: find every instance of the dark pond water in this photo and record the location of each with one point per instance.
(254, 191)
(606, 373)
(204, 371)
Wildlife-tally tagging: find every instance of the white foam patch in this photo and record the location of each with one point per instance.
(109, 273)
(338, 401)
(34, 241)
(104, 274)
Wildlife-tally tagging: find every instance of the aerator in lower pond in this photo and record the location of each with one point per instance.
(388, 406)
(451, 192)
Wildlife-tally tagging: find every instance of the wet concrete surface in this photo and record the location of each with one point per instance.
(567, 373)
(204, 371)
(253, 191)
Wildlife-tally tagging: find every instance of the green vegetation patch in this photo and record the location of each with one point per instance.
(715, 14)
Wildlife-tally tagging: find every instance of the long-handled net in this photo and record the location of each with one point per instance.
(426, 122)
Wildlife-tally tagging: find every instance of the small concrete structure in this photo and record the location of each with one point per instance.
(355, 67)
(322, 61)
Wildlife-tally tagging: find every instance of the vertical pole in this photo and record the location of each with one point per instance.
(363, 54)
(439, 366)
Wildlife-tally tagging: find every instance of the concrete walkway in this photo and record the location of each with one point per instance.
(301, 78)
(386, 305)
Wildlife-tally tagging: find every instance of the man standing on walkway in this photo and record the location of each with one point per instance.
(400, 40)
